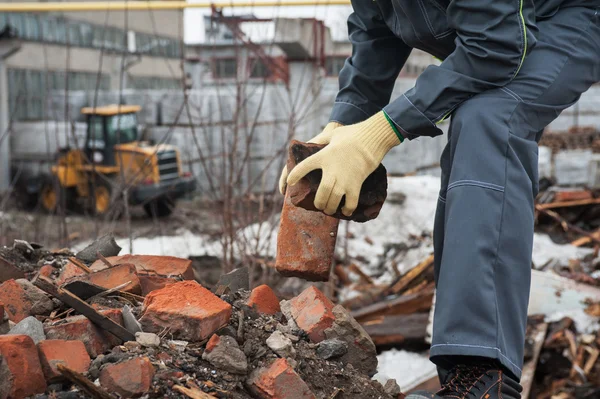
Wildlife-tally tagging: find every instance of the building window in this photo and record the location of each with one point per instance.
(224, 68)
(259, 69)
(153, 83)
(334, 64)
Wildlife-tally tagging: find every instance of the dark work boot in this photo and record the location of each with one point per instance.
(477, 380)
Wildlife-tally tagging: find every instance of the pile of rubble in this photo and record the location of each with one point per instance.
(107, 326)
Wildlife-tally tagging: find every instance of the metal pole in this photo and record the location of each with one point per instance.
(156, 5)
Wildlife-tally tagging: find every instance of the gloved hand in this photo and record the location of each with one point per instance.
(352, 154)
(322, 138)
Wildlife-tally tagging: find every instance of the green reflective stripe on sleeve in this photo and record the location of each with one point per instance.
(393, 125)
(524, 37)
(444, 118)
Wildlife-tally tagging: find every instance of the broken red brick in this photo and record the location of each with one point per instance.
(372, 194)
(188, 310)
(22, 359)
(96, 340)
(164, 266)
(305, 243)
(264, 300)
(151, 283)
(22, 299)
(1, 312)
(313, 312)
(69, 353)
(130, 379)
(279, 381)
(212, 342)
(9, 271)
(46, 271)
(69, 271)
(116, 276)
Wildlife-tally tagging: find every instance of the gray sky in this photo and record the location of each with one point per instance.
(334, 16)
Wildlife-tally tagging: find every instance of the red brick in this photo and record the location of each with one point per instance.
(164, 266)
(130, 379)
(79, 328)
(9, 271)
(264, 300)
(151, 283)
(212, 342)
(279, 381)
(305, 243)
(115, 276)
(313, 312)
(23, 299)
(188, 310)
(22, 359)
(69, 353)
(69, 271)
(1, 312)
(46, 271)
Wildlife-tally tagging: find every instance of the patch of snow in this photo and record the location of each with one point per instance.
(584, 323)
(409, 369)
(545, 250)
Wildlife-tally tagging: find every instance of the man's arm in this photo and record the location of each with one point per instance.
(491, 46)
(368, 76)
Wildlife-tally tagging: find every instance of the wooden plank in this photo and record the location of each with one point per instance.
(538, 336)
(405, 304)
(80, 265)
(410, 276)
(566, 225)
(397, 329)
(566, 204)
(82, 307)
(551, 293)
(192, 392)
(86, 385)
(586, 240)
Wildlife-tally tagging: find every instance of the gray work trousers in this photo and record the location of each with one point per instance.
(483, 234)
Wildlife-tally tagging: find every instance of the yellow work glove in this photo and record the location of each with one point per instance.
(352, 154)
(322, 138)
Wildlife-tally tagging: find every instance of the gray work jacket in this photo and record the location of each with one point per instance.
(482, 43)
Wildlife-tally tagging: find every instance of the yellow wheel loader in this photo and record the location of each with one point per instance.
(114, 167)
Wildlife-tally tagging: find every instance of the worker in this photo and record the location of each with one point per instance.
(509, 68)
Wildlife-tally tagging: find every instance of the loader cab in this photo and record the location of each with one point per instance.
(108, 126)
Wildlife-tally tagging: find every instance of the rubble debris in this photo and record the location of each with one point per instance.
(124, 273)
(69, 271)
(163, 266)
(313, 312)
(151, 283)
(186, 309)
(264, 300)
(279, 343)
(129, 320)
(31, 327)
(96, 340)
(86, 385)
(105, 245)
(279, 380)
(8, 271)
(224, 353)
(536, 341)
(392, 388)
(149, 340)
(305, 243)
(372, 194)
(21, 356)
(237, 279)
(71, 354)
(21, 299)
(332, 348)
(6, 378)
(130, 379)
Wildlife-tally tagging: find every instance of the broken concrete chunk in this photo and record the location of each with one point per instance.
(149, 340)
(189, 311)
(312, 312)
(224, 353)
(106, 245)
(361, 349)
(129, 321)
(31, 327)
(238, 279)
(277, 381)
(130, 379)
(279, 343)
(22, 299)
(372, 194)
(6, 378)
(392, 388)
(23, 247)
(332, 348)
(22, 359)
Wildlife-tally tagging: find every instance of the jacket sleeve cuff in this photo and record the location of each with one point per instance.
(348, 113)
(409, 120)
